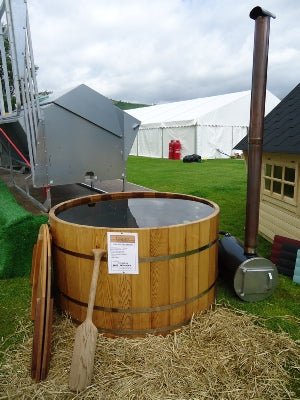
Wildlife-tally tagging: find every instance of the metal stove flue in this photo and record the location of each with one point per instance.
(254, 278)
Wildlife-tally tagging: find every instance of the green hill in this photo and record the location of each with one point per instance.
(127, 106)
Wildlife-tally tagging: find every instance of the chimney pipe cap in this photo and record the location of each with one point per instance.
(260, 12)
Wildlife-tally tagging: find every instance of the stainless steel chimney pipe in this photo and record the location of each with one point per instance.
(254, 278)
(255, 137)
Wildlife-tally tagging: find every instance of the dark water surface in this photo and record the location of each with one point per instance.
(137, 213)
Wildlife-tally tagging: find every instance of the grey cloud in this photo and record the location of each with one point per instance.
(156, 51)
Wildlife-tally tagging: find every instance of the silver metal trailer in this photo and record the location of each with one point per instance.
(75, 136)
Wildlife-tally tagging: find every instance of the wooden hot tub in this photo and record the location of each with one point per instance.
(177, 259)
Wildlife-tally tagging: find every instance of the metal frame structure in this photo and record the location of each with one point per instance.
(67, 138)
(19, 103)
(15, 31)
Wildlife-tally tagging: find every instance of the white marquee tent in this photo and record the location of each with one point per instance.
(209, 126)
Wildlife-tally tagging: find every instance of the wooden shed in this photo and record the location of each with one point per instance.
(280, 178)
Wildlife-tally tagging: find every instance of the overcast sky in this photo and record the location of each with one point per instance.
(157, 51)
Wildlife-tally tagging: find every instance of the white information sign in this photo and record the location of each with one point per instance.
(122, 249)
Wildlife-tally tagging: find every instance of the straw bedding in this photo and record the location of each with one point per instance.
(223, 354)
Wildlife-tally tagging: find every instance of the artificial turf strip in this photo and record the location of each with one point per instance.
(10, 211)
(18, 233)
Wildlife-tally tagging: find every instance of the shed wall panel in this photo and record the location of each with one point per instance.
(274, 221)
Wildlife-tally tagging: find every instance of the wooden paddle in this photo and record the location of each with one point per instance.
(86, 337)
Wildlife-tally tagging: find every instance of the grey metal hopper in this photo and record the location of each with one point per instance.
(83, 133)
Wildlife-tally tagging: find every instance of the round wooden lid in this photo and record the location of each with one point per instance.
(41, 305)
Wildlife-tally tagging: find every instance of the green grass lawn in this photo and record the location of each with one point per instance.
(15, 296)
(221, 181)
(224, 182)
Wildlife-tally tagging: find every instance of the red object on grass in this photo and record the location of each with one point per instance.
(171, 149)
(177, 150)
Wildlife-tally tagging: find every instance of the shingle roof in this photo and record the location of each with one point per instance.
(281, 127)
